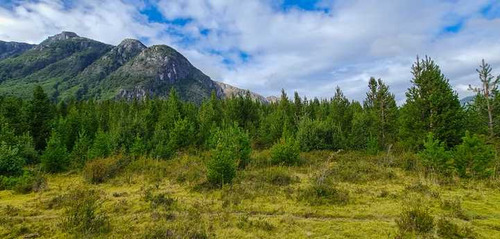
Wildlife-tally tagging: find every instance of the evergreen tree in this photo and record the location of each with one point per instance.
(431, 106)
(103, 146)
(486, 93)
(55, 157)
(298, 107)
(209, 117)
(380, 104)
(79, 154)
(41, 114)
(230, 150)
(11, 164)
(474, 158)
(340, 118)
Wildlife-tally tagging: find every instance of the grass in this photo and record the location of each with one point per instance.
(170, 199)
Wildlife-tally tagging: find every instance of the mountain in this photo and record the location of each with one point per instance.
(230, 91)
(69, 66)
(469, 99)
(10, 49)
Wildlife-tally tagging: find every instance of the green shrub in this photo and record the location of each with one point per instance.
(25, 183)
(30, 181)
(230, 150)
(221, 168)
(435, 157)
(11, 163)
(83, 213)
(322, 193)
(474, 158)
(100, 170)
(286, 152)
(446, 228)
(235, 140)
(55, 158)
(372, 146)
(415, 220)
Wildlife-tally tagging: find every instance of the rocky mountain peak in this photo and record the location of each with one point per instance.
(57, 38)
(131, 43)
(63, 36)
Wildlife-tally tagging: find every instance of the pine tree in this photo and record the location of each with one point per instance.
(11, 164)
(298, 107)
(209, 117)
(431, 106)
(79, 154)
(380, 104)
(55, 157)
(103, 146)
(340, 118)
(487, 91)
(41, 114)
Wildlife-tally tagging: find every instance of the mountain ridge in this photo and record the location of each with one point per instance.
(69, 66)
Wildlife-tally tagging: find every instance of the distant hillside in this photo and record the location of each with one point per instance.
(69, 66)
(466, 100)
(11, 49)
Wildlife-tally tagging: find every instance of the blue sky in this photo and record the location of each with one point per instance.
(300, 45)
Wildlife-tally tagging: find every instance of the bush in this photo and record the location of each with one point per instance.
(25, 183)
(286, 152)
(29, 182)
(11, 164)
(55, 158)
(474, 158)
(415, 219)
(446, 228)
(322, 193)
(435, 157)
(83, 213)
(100, 170)
(221, 168)
(235, 140)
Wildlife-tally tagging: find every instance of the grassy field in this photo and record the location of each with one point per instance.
(330, 195)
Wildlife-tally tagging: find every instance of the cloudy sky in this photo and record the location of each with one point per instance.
(309, 46)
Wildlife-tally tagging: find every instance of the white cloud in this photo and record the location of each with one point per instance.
(308, 51)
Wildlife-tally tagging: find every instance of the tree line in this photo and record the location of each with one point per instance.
(65, 135)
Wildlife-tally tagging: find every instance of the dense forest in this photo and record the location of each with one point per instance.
(452, 138)
(40, 137)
